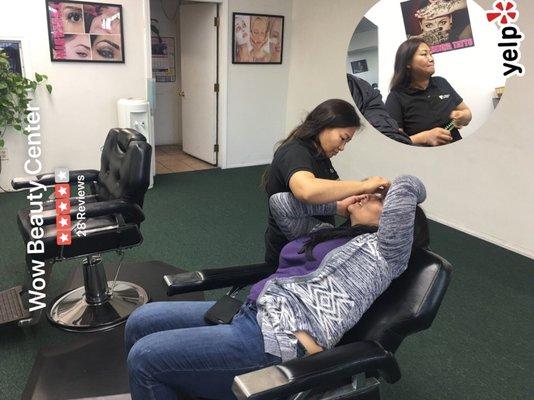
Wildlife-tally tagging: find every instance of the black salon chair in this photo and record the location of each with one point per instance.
(350, 370)
(106, 216)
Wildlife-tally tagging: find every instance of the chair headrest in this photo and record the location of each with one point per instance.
(124, 136)
(124, 166)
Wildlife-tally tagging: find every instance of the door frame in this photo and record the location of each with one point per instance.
(223, 44)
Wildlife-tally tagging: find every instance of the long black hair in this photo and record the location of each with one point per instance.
(333, 113)
(421, 237)
(402, 75)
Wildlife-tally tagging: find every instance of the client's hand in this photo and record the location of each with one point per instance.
(308, 342)
(342, 205)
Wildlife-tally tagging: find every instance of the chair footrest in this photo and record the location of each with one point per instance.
(11, 307)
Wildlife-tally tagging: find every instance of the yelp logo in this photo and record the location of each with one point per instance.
(505, 13)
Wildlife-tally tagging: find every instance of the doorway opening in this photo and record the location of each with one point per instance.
(185, 64)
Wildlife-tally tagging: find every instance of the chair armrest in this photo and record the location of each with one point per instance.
(207, 279)
(133, 212)
(325, 369)
(48, 179)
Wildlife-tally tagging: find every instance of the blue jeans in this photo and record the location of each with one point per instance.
(170, 347)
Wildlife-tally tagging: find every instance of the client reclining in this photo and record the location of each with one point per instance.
(326, 279)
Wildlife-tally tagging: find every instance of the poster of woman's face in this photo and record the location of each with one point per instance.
(257, 39)
(81, 31)
(443, 24)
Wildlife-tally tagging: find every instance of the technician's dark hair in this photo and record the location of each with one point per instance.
(333, 113)
(421, 238)
(402, 75)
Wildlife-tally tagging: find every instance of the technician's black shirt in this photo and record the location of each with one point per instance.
(418, 110)
(296, 155)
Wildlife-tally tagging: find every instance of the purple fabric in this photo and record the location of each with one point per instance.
(294, 264)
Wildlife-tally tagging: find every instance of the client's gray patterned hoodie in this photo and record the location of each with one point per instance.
(329, 301)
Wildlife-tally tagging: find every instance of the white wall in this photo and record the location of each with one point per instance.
(76, 118)
(457, 66)
(483, 185)
(256, 94)
(363, 40)
(168, 114)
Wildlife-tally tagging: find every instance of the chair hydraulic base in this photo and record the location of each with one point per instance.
(99, 305)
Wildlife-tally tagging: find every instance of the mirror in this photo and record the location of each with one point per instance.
(425, 72)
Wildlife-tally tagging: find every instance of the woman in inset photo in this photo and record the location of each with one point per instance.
(77, 47)
(259, 38)
(103, 19)
(426, 107)
(72, 17)
(106, 47)
(242, 44)
(275, 39)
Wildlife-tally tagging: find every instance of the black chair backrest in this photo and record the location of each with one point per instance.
(124, 166)
(409, 305)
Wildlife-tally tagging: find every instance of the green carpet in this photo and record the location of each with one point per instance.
(480, 345)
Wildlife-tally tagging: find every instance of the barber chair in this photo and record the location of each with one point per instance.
(109, 201)
(366, 353)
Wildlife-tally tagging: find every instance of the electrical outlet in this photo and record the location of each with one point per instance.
(3, 154)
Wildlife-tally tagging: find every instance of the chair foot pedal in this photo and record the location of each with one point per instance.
(11, 307)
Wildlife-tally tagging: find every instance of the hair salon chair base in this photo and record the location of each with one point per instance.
(93, 364)
(99, 305)
(72, 312)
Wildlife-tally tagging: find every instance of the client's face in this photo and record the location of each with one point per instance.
(366, 211)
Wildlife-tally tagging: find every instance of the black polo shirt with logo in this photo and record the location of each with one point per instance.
(417, 110)
(296, 155)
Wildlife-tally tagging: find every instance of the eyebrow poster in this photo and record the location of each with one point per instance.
(85, 32)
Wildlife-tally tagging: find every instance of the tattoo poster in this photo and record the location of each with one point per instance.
(88, 32)
(443, 24)
(163, 59)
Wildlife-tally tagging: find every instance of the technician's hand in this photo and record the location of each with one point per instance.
(460, 118)
(437, 137)
(376, 184)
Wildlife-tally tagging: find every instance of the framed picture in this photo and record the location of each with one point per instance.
(257, 39)
(85, 32)
(359, 66)
(447, 32)
(163, 59)
(13, 50)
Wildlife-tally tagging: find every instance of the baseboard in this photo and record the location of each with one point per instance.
(252, 164)
(483, 236)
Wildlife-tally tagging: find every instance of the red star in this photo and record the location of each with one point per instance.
(62, 191)
(63, 237)
(503, 9)
(63, 222)
(62, 206)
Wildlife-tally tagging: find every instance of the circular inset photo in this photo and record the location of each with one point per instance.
(426, 72)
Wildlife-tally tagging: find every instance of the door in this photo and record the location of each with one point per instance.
(198, 36)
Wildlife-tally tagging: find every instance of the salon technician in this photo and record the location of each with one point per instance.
(301, 165)
(424, 105)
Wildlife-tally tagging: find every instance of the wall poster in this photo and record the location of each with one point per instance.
(82, 31)
(443, 24)
(163, 59)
